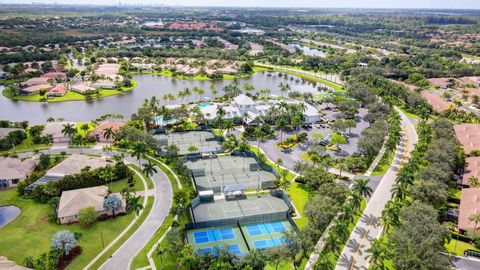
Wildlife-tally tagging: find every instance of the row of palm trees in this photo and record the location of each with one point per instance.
(340, 232)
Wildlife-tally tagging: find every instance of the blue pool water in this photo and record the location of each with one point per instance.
(159, 120)
(8, 214)
(204, 105)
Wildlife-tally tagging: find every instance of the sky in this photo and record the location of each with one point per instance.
(436, 4)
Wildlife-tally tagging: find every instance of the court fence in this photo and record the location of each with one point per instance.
(281, 215)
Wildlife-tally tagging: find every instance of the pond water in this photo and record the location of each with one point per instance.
(8, 214)
(309, 51)
(126, 104)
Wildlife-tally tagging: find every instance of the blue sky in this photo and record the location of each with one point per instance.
(469, 4)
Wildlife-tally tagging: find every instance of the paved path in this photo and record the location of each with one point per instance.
(163, 195)
(354, 254)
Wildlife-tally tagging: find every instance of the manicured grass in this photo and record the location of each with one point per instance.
(26, 146)
(31, 232)
(383, 164)
(458, 247)
(454, 193)
(127, 235)
(117, 186)
(147, 179)
(409, 114)
(70, 95)
(318, 135)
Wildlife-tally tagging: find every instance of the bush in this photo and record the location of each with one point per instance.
(87, 216)
(91, 139)
(476, 242)
(102, 217)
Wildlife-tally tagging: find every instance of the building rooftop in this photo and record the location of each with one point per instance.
(54, 129)
(13, 168)
(100, 129)
(4, 131)
(472, 168)
(469, 204)
(438, 104)
(75, 163)
(469, 136)
(72, 201)
(37, 87)
(243, 100)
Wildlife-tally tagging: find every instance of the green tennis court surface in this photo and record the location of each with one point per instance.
(214, 173)
(183, 140)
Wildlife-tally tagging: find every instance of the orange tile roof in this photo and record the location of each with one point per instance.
(472, 168)
(438, 104)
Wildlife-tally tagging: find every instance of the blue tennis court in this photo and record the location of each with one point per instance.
(268, 243)
(214, 235)
(232, 249)
(265, 228)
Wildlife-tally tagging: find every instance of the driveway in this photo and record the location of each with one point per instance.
(354, 254)
(163, 195)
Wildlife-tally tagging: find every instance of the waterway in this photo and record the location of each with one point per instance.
(127, 103)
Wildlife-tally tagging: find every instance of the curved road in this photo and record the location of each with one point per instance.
(163, 194)
(354, 254)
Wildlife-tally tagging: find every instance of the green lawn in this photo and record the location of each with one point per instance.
(168, 73)
(70, 95)
(26, 146)
(147, 179)
(458, 247)
(318, 135)
(127, 235)
(118, 185)
(383, 164)
(31, 232)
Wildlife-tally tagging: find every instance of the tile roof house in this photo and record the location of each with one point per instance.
(472, 168)
(469, 136)
(57, 91)
(72, 201)
(13, 170)
(53, 75)
(474, 80)
(99, 131)
(35, 89)
(54, 131)
(35, 81)
(441, 82)
(438, 104)
(469, 205)
(4, 131)
(82, 88)
(71, 165)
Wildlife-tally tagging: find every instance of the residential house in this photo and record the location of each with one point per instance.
(54, 75)
(438, 104)
(72, 201)
(471, 81)
(13, 170)
(104, 84)
(35, 81)
(82, 88)
(54, 131)
(469, 205)
(472, 169)
(35, 89)
(69, 166)
(442, 83)
(58, 91)
(469, 136)
(5, 131)
(99, 131)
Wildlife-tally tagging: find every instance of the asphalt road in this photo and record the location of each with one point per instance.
(354, 254)
(163, 192)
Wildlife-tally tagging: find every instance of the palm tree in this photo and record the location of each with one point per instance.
(324, 262)
(342, 166)
(149, 169)
(134, 205)
(68, 130)
(85, 127)
(107, 175)
(475, 218)
(108, 133)
(361, 186)
(378, 252)
(399, 192)
(139, 149)
(341, 229)
(390, 215)
(333, 242)
(474, 181)
(213, 89)
(356, 200)
(281, 126)
(347, 213)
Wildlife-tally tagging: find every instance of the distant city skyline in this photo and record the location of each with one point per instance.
(433, 4)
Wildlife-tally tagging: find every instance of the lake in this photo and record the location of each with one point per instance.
(309, 51)
(127, 103)
(8, 214)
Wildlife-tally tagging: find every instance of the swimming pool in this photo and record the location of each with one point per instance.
(161, 122)
(8, 214)
(204, 105)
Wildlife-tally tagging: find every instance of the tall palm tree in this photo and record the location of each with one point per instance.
(107, 175)
(333, 242)
(377, 253)
(390, 215)
(68, 129)
(347, 213)
(356, 200)
(342, 166)
(475, 218)
(474, 181)
(139, 149)
(281, 126)
(149, 169)
(108, 133)
(399, 192)
(361, 186)
(134, 205)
